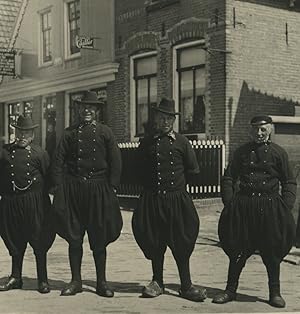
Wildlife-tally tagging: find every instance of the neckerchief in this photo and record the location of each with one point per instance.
(169, 134)
(83, 124)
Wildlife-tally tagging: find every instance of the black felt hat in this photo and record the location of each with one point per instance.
(167, 106)
(260, 120)
(89, 98)
(24, 123)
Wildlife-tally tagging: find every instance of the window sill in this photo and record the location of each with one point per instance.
(194, 136)
(46, 64)
(72, 57)
(154, 6)
(285, 119)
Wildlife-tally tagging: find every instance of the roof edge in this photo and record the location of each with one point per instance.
(18, 24)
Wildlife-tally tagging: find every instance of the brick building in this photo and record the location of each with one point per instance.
(222, 62)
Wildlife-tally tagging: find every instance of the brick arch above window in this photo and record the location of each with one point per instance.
(143, 41)
(188, 29)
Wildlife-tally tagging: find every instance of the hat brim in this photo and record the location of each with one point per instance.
(92, 102)
(260, 123)
(165, 111)
(25, 128)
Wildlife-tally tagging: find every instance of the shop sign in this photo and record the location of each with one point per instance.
(7, 62)
(84, 42)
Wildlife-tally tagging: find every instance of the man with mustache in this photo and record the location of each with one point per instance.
(166, 215)
(25, 204)
(258, 216)
(86, 170)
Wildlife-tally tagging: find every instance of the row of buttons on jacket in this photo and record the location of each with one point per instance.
(28, 175)
(159, 163)
(80, 146)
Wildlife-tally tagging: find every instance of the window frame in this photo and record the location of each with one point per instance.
(44, 123)
(41, 61)
(68, 54)
(176, 80)
(134, 90)
(46, 32)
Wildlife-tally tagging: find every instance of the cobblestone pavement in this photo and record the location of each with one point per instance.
(128, 271)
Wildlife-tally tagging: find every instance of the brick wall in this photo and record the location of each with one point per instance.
(263, 68)
(144, 28)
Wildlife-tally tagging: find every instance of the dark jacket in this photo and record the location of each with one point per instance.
(22, 169)
(260, 168)
(89, 152)
(166, 163)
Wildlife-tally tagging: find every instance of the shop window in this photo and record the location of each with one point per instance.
(46, 37)
(101, 112)
(73, 26)
(145, 83)
(287, 128)
(14, 111)
(191, 89)
(50, 119)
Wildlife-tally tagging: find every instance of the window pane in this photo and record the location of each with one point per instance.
(192, 85)
(44, 21)
(74, 24)
(71, 11)
(146, 91)
(146, 66)
(142, 92)
(199, 108)
(142, 118)
(192, 109)
(200, 81)
(28, 107)
(50, 116)
(48, 19)
(14, 111)
(187, 106)
(199, 114)
(73, 47)
(46, 37)
(153, 90)
(186, 83)
(142, 105)
(191, 57)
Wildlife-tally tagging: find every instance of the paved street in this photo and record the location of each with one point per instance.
(128, 271)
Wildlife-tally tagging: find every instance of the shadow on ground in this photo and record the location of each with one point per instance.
(211, 292)
(88, 285)
(31, 283)
(120, 287)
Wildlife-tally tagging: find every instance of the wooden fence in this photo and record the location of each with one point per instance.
(211, 159)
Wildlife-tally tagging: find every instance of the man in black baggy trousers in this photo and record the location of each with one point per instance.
(85, 172)
(25, 213)
(257, 217)
(165, 215)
